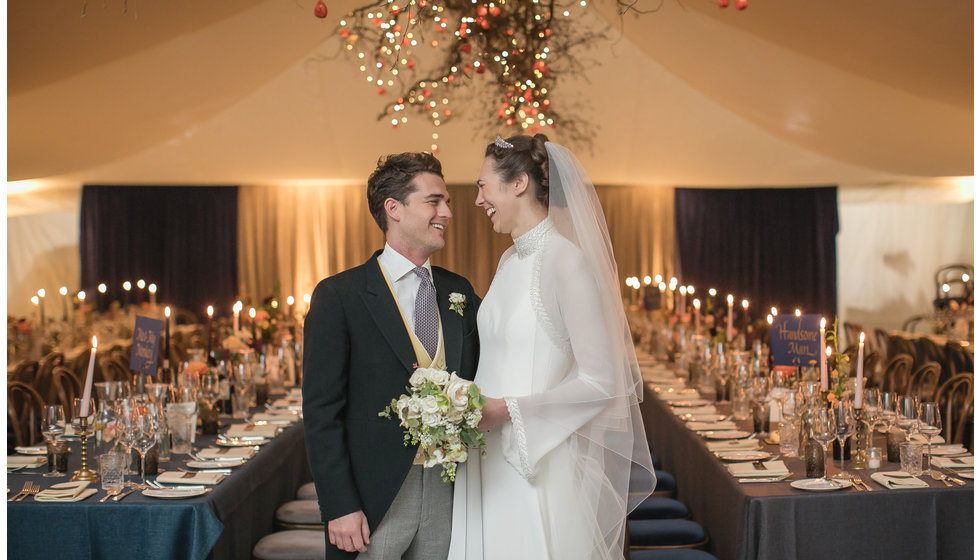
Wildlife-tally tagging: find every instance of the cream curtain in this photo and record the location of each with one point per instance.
(294, 236)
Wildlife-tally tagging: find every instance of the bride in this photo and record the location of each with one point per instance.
(566, 455)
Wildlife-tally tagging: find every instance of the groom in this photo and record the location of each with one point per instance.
(367, 329)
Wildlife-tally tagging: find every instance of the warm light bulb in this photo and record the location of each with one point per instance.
(647, 280)
(141, 283)
(290, 300)
(63, 291)
(966, 278)
(81, 295)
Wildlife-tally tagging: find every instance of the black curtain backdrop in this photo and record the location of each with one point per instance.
(183, 239)
(772, 246)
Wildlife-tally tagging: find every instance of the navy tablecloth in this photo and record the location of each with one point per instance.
(226, 523)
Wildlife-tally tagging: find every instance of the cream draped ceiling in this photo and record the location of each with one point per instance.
(874, 95)
(253, 92)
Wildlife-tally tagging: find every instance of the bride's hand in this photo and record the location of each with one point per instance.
(495, 413)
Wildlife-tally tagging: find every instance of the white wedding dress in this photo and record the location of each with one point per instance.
(528, 495)
(557, 481)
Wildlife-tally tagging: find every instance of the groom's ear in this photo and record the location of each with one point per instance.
(393, 209)
(521, 185)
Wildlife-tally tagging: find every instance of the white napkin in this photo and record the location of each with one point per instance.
(65, 492)
(770, 468)
(701, 426)
(24, 461)
(898, 482)
(731, 444)
(288, 403)
(175, 477)
(679, 395)
(253, 430)
(953, 462)
(226, 452)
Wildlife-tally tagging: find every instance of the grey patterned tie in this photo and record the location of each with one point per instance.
(426, 312)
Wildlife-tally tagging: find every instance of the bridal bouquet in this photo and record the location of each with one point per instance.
(440, 413)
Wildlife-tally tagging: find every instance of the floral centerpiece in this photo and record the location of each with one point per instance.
(441, 414)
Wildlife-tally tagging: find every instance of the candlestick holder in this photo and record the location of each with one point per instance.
(84, 473)
(862, 440)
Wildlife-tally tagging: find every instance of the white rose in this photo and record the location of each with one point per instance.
(430, 404)
(439, 377)
(458, 391)
(430, 419)
(418, 378)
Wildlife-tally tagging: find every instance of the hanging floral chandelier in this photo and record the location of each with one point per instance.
(420, 53)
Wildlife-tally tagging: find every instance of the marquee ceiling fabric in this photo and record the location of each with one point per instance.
(256, 91)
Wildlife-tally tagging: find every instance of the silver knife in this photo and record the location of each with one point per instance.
(123, 495)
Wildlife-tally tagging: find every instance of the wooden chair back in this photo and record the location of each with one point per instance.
(65, 387)
(24, 408)
(960, 358)
(955, 399)
(896, 375)
(881, 343)
(924, 381)
(852, 334)
(25, 371)
(928, 351)
(116, 370)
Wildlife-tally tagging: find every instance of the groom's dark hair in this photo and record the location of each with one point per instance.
(393, 179)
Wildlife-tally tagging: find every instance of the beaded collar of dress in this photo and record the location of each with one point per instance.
(529, 243)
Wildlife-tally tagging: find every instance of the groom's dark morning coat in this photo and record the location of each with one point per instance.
(357, 357)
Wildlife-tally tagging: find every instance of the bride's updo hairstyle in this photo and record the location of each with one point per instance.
(522, 154)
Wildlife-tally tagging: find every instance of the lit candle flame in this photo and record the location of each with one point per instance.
(731, 299)
(774, 311)
(63, 291)
(769, 318)
(797, 313)
(823, 320)
(153, 288)
(745, 304)
(307, 298)
(166, 311)
(658, 279)
(81, 295)
(697, 304)
(861, 338)
(102, 288)
(35, 300)
(41, 292)
(251, 312)
(647, 280)
(95, 342)
(290, 300)
(127, 285)
(141, 283)
(210, 311)
(712, 292)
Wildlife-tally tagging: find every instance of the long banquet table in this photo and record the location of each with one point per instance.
(225, 523)
(774, 521)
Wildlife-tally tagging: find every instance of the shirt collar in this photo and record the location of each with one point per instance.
(398, 265)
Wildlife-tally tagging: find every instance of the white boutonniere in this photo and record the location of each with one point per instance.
(457, 302)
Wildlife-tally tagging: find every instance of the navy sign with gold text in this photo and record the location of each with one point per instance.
(146, 345)
(795, 341)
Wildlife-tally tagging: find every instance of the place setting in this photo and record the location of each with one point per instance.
(759, 471)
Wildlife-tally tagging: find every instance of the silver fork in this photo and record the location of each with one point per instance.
(27, 485)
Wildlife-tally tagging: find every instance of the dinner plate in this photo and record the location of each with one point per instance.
(239, 443)
(747, 455)
(31, 451)
(219, 464)
(820, 484)
(952, 449)
(175, 494)
(686, 403)
(726, 434)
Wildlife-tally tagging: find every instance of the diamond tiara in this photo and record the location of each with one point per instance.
(501, 143)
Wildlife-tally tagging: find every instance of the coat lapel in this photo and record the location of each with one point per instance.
(381, 304)
(452, 323)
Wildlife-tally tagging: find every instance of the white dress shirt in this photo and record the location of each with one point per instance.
(403, 280)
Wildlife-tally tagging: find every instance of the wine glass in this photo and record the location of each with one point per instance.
(843, 428)
(143, 434)
(907, 414)
(930, 424)
(53, 427)
(823, 428)
(872, 412)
